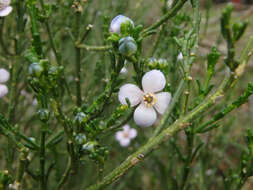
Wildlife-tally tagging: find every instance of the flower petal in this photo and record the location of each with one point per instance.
(5, 11)
(126, 128)
(119, 135)
(3, 90)
(153, 81)
(132, 133)
(132, 92)
(4, 76)
(123, 70)
(124, 142)
(5, 2)
(117, 21)
(163, 100)
(144, 116)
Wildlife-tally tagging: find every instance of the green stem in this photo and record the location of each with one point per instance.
(13, 90)
(158, 39)
(186, 171)
(73, 166)
(42, 159)
(22, 165)
(186, 97)
(78, 61)
(94, 48)
(65, 176)
(171, 13)
(208, 5)
(4, 47)
(14, 76)
(57, 56)
(78, 77)
(120, 124)
(170, 108)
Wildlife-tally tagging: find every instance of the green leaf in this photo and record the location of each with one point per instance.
(225, 21)
(239, 29)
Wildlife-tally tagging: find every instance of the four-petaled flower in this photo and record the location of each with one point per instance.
(124, 137)
(151, 97)
(4, 77)
(5, 7)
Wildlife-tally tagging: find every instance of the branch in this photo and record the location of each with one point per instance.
(179, 125)
(171, 13)
(94, 48)
(49, 32)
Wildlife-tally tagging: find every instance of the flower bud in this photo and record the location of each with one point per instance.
(43, 115)
(55, 71)
(80, 138)
(127, 46)
(90, 146)
(117, 21)
(80, 118)
(32, 139)
(35, 70)
(159, 64)
(4, 75)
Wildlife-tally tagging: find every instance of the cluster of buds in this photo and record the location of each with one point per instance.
(95, 152)
(159, 64)
(123, 26)
(84, 143)
(44, 78)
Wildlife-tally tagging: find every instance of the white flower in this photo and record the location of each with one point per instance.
(4, 76)
(151, 97)
(180, 56)
(3, 90)
(5, 7)
(117, 21)
(124, 137)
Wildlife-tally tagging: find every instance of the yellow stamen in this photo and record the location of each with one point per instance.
(149, 99)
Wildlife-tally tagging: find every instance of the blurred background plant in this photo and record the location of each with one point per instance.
(60, 116)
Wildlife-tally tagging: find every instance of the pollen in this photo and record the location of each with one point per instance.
(149, 99)
(125, 135)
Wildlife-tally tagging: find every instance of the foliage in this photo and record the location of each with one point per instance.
(62, 109)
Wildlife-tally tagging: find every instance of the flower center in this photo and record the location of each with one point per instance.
(149, 99)
(125, 135)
